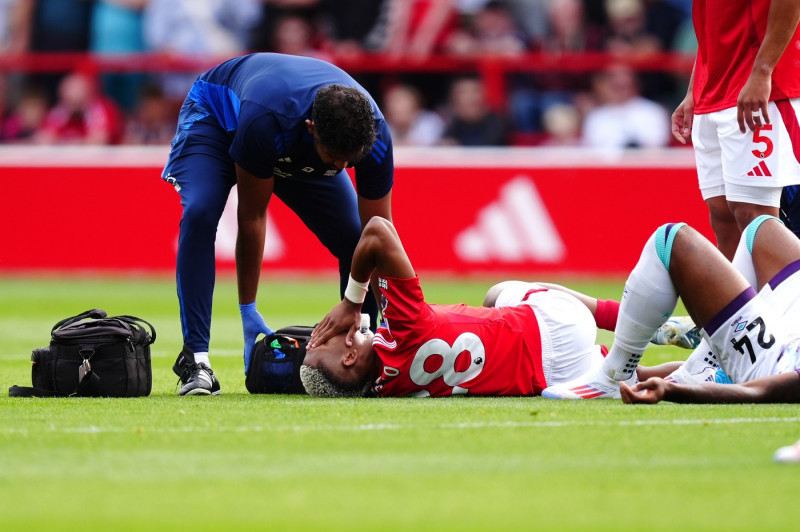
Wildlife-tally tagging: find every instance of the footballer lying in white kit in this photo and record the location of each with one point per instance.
(771, 316)
(755, 334)
(774, 314)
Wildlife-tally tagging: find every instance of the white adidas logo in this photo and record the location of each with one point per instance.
(515, 228)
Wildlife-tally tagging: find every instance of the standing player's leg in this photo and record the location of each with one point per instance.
(723, 223)
(204, 183)
(329, 208)
(676, 259)
(708, 158)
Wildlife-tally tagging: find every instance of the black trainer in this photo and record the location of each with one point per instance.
(196, 379)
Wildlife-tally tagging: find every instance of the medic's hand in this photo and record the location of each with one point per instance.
(253, 324)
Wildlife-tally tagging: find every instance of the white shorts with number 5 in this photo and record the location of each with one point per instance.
(749, 167)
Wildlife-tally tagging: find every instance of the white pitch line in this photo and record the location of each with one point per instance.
(93, 429)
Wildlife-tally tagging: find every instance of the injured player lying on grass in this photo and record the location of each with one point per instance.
(749, 311)
(526, 337)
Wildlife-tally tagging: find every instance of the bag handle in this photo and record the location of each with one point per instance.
(98, 314)
(137, 322)
(88, 385)
(94, 313)
(29, 391)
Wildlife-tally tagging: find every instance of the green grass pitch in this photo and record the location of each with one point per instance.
(241, 462)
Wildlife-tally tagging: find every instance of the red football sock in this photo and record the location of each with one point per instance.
(606, 314)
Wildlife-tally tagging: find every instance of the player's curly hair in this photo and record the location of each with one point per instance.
(319, 382)
(344, 120)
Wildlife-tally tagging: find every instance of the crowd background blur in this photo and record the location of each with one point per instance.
(423, 60)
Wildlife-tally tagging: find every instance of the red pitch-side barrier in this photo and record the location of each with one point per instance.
(515, 210)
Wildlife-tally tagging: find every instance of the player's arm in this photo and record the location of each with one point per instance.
(782, 21)
(375, 177)
(368, 209)
(782, 388)
(374, 180)
(254, 195)
(379, 251)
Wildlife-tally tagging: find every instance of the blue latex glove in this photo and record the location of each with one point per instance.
(253, 324)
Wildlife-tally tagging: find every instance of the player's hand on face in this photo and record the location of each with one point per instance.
(345, 316)
(752, 105)
(647, 392)
(682, 120)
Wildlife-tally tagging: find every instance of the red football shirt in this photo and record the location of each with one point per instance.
(439, 350)
(729, 33)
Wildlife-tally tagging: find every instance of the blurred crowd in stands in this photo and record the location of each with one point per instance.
(615, 107)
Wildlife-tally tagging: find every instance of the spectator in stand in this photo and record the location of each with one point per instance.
(627, 28)
(197, 27)
(24, 120)
(295, 35)
(5, 107)
(13, 26)
(153, 121)
(471, 121)
(491, 30)
(640, 28)
(415, 28)
(531, 16)
(117, 29)
(623, 118)
(349, 22)
(409, 122)
(664, 19)
(270, 15)
(81, 115)
(53, 26)
(567, 32)
(562, 126)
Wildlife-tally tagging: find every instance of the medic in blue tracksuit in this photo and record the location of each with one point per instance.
(248, 122)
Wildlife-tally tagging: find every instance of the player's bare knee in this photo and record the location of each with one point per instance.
(767, 237)
(493, 294)
(688, 242)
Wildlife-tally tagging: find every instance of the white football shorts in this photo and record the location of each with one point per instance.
(760, 337)
(567, 328)
(749, 167)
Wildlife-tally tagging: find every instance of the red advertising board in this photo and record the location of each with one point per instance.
(457, 210)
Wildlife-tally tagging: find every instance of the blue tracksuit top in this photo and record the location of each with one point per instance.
(262, 101)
